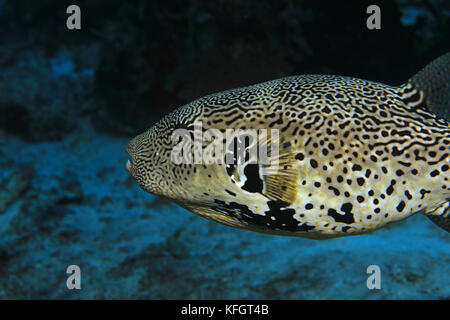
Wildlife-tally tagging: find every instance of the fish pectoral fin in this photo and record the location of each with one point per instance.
(280, 175)
(214, 215)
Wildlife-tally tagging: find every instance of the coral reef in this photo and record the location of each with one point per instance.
(13, 186)
(41, 96)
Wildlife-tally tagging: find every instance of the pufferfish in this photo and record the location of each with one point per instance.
(352, 155)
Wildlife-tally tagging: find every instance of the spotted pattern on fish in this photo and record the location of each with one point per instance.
(356, 155)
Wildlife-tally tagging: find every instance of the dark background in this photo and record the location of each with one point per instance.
(134, 61)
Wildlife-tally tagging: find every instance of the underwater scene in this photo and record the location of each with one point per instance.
(94, 206)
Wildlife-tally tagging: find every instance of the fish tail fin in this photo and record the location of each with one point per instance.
(434, 81)
(441, 215)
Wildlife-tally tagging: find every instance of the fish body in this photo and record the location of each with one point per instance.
(351, 155)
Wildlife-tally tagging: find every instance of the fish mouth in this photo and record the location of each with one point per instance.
(129, 166)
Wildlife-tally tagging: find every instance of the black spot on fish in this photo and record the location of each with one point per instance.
(399, 173)
(254, 182)
(347, 207)
(284, 218)
(230, 192)
(434, 173)
(335, 190)
(347, 217)
(406, 164)
(408, 195)
(326, 110)
(423, 192)
(390, 189)
(396, 152)
(345, 229)
(300, 156)
(401, 206)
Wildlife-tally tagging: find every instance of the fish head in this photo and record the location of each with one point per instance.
(146, 163)
(153, 164)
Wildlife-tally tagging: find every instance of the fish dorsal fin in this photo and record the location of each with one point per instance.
(280, 174)
(434, 81)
